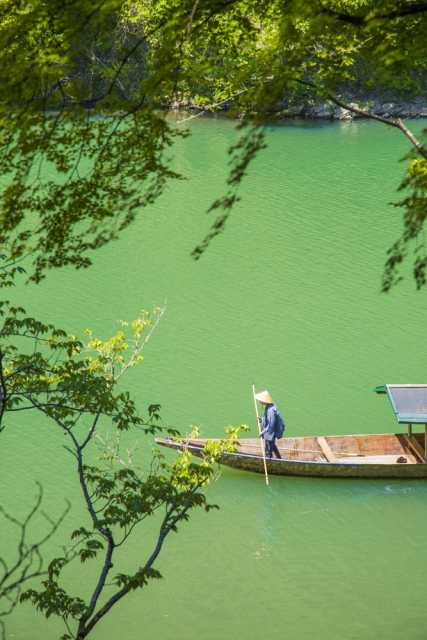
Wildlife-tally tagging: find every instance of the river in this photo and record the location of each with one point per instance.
(288, 297)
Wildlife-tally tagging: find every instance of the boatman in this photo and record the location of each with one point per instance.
(272, 424)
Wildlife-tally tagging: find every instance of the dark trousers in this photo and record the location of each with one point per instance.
(270, 448)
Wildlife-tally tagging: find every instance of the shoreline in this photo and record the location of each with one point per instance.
(327, 110)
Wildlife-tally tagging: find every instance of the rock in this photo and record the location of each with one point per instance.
(357, 106)
(373, 108)
(293, 111)
(180, 101)
(342, 114)
(385, 109)
(405, 111)
(324, 109)
(395, 110)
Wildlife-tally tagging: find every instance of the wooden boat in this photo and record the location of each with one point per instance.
(361, 456)
(392, 455)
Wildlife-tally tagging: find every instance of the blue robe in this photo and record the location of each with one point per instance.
(272, 423)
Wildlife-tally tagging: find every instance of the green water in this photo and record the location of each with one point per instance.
(288, 297)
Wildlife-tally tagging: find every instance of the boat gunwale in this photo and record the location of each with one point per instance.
(346, 465)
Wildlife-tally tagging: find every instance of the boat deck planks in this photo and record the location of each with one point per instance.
(326, 449)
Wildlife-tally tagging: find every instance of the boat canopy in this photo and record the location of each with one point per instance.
(409, 401)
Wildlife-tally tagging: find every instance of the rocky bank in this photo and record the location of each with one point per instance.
(327, 110)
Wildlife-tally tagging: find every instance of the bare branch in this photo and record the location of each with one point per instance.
(29, 562)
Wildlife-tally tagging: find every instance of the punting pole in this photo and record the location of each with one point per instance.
(262, 439)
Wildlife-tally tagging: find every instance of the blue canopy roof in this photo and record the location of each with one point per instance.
(409, 401)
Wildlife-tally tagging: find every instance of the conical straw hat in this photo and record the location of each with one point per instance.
(264, 396)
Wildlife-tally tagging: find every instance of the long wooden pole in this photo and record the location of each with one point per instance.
(262, 439)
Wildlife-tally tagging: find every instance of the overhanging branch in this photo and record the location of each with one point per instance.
(362, 112)
(409, 9)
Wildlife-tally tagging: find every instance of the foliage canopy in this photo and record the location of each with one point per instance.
(85, 137)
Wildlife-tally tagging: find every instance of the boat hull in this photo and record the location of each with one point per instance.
(323, 469)
(320, 467)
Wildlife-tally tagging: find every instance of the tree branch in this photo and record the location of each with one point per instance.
(29, 563)
(408, 9)
(391, 123)
(138, 348)
(101, 583)
(164, 531)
